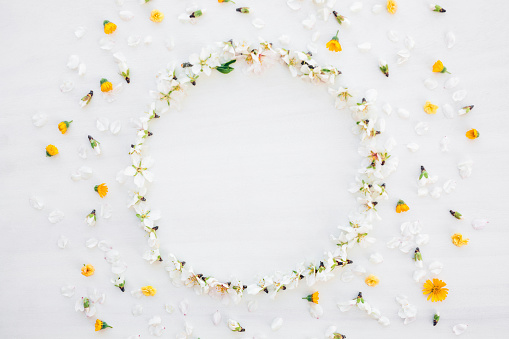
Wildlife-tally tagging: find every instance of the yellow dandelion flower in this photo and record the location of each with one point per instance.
(99, 325)
(401, 207)
(435, 290)
(62, 126)
(106, 86)
(430, 108)
(312, 298)
(438, 67)
(102, 189)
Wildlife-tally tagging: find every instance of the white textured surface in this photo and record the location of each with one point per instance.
(252, 173)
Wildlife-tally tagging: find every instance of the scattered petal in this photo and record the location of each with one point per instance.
(449, 186)
(169, 308)
(479, 224)
(421, 128)
(413, 147)
(459, 329)
(387, 108)
(403, 113)
(73, 61)
(451, 83)
(115, 127)
(56, 216)
(444, 144)
(459, 95)
(376, 9)
(450, 39)
(102, 124)
(448, 111)
(184, 306)
(422, 191)
(376, 258)
(252, 306)
(315, 310)
(364, 47)
(82, 69)
(359, 270)
(91, 243)
(418, 275)
(36, 202)
(106, 211)
(430, 83)
(67, 290)
(62, 242)
(80, 32)
(170, 43)
(409, 42)
(465, 169)
(126, 15)
(277, 323)
(66, 86)
(393, 36)
(436, 267)
(284, 39)
(356, 7)
(104, 245)
(347, 276)
(147, 40)
(216, 318)
(384, 321)
(315, 36)
(310, 22)
(294, 5)
(436, 192)
(106, 43)
(258, 23)
(137, 310)
(39, 119)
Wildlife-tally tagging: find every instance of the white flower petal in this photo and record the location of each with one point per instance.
(67, 290)
(403, 113)
(376, 258)
(436, 192)
(479, 224)
(315, 36)
(252, 306)
(310, 22)
(169, 308)
(39, 119)
(450, 39)
(359, 270)
(384, 321)
(66, 86)
(137, 310)
(36, 202)
(421, 128)
(316, 310)
(56, 216)
(409, 42)
(62, 242)
(147, 40)
(377, 9)
(444, 144)
(126, 15)
(284, 39)
(393, 36)
(418, 275)
(104, 245)
(82, 152)
(115, 127)
(459, 329)
(82, 69)
(276, 324)
(413, 147)
(216, 318)
(106, 43)
(133, 40)
(102, 124)
(106, 211)
(356, 7)
(451, 83)
(449, 186)
(421, 239)
(430, 83)
(465, 169)
(364, 47)
(73, 61)
(436, 267)
(387, 109)
(91, 243)
(85, 172)
(80, 32)
(294, 5)
(347, 276)
(448, 111)
(258, 23)
(184, 306)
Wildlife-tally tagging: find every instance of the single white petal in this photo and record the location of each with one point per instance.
(216, 318)
(62, 242)
(459, 95)
(67, 290)
(315, 36)
(409, 42)
(436, 192)
(80, 32)
(252, 305)
(479, 224)
(82, 152)
(66, 86)
(115, 127)
(91, 243)
(73, 61)
(444, 144)
(133, 40)
(448, 111)
(147, 40)
(403, 113)
(359, 270)
(412, 147)
(356, 7)
(430, 83)
(137, 310)
(436, 267)
(82, 69)
(450, 39)
(421, 128)
(39, 119)
(85, 172)
(459, 329)
(126, 15)
(393, 36)
(56, 216)
(106, 211)
(276, 324)
(309, 22)
(36, 202)
(316, 310)
(284, 39)
(104, 245)
(422, 239)
(409, 320)
(329, 332)
(465, 169)
(184, 306)
(106, 43)
(451, 83)
(169, 308)
(364, 47)
(347, 276)
(377, 9)
(418, 275)
(294, 5)
(371, 95)
(258, 23)
(376, 258)
(449, 186)
(137, 293)
(387, 109)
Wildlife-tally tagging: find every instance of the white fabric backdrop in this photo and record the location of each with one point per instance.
(252, 173)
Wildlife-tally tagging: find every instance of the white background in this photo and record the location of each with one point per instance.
(252, 174)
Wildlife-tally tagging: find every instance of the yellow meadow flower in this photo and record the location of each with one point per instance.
(435, 290)
(457, 239)
(430, 108)
(106, 86)
(87, 270)
(99, 325)
(438, 67)
(62, 126)
(51, 150)
(312, 298)
(109, 27)
(156, 15)
(472, 134)
(372, 280)
(333, 45)
(148, 291)
(401, 207)
(102, 189)
(392, 6)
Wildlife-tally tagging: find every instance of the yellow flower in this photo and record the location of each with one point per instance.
(102, 189)
(430, 108)
(99, 325)
(109, 27)
(435, 289)
(87, 270)
(333, 45)
(148, 291)
(312, 298)
(438, 67)
(51, 150)
(62, 126)
(392, 6)
(472, 134)
(372, 280)
(401, 207)
(106, 86)
(156, 16)
(457, 239)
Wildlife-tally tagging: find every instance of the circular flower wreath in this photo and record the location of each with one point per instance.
(172, 85)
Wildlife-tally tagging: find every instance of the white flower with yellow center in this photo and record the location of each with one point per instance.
(139, 169)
